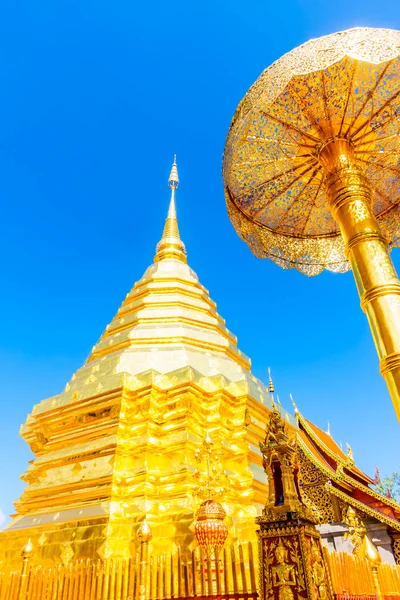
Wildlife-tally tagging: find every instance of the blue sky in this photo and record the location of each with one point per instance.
(96, 97)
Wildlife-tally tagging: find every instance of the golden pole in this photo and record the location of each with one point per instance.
(217, 571)
(194, 574)
(366, 247)
(144, 535)
(27, 552)
(242, 569)
(252, 570)
(375, 576)
(226, 576)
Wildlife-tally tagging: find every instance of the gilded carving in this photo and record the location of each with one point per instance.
(396, 550)
(283, 573)
(356, 529)
(318, 571)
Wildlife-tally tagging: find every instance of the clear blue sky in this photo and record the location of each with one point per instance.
(95, 99)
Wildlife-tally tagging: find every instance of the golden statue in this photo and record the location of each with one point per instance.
(312, 171)
(356, 529)
(283, 574)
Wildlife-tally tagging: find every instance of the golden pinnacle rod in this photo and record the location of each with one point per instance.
(226, 578)
(377, 586)
(151, 593)
(158, 577)
(106, 583)
(23, 579)
(13, 585)
(242, 569)
(93, 579)
(61, 583)
(87, 581)
(99, 580)
(172, 588)
(118, 585)
(74, 582)
(186, 579)
(217, 571)
(67, 585)
(54, 591)
(137, 575)
(203, 571)
(113, 578)
(164, 575)
(40, 585)
(194, 574)
(79, 579)
(72, 586)
(209, 573)
(130, 576)
(234, 571)
(378, 285)
(53, 580)
(180, 586)
(253, 587)
(144, 557)
(82, 583)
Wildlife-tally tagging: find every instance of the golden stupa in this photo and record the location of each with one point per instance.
(119, 443)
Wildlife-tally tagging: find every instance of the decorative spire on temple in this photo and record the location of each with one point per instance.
(270, 384)
(171, 246)
(377, 476)
(296, 410)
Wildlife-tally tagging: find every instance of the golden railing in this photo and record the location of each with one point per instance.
(230, 574)
(354, 577)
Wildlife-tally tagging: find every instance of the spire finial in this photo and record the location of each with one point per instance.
(270, 382)
(171, 246)
(173, 180)
(296, 410)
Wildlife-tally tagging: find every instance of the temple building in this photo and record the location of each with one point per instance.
(121, 442)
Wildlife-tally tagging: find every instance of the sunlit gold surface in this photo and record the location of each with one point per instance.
(312, 170)
(344, 85)
(120, 442)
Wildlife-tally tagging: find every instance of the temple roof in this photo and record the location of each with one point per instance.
(343, 478)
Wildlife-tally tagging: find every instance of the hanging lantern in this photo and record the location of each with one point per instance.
(209, 528)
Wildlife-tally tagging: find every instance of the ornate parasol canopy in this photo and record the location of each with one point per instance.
(342, 86)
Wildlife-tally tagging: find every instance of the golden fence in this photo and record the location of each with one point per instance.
(230, 574)
(355, 577)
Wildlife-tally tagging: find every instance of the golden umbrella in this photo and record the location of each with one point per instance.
(312, 171)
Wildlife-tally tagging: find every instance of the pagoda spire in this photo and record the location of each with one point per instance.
(171, 246)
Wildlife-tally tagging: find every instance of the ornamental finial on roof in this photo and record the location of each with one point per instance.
(173, 180)
(171, 246)
(296, 410)
(270, 382)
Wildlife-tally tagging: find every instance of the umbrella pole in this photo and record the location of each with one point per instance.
(367, 251)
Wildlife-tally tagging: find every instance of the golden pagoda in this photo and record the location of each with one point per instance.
(119, 443)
